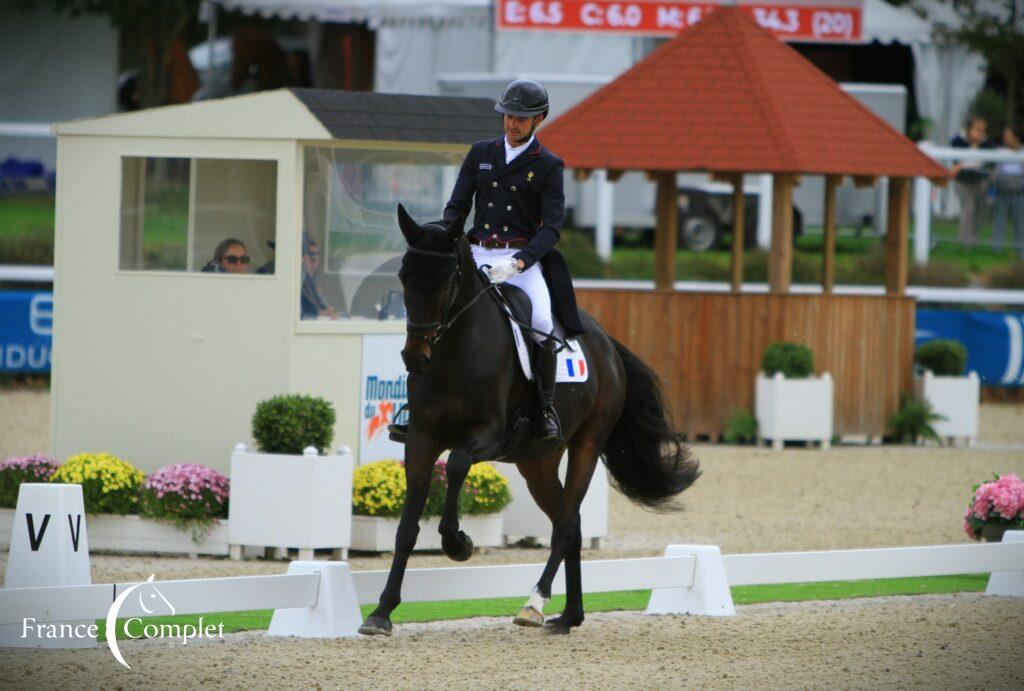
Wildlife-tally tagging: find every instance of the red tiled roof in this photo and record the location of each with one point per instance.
(726, 96)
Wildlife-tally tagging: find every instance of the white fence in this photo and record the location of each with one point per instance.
(320, 599)
(923, 188)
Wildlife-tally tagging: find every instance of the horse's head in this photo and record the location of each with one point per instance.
(433, 270)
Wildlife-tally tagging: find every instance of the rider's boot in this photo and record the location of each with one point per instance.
(549, 429)
(397, 432)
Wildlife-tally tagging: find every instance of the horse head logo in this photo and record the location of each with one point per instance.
(151, 602)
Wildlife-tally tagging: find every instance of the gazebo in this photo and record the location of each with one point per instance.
(727, 98)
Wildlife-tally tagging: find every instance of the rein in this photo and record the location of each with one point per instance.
(444, 325)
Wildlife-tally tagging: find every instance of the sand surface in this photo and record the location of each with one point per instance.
(958, 641)
(749, 500)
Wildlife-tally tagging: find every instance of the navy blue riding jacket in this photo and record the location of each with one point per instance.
(523, 200)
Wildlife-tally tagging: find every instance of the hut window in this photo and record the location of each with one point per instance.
(176, 212)
(350, 237)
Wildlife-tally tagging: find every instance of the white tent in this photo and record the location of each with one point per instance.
(418, 40)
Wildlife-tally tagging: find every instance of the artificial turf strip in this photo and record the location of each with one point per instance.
(631, 600)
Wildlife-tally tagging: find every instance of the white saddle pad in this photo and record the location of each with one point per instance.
(572, 362)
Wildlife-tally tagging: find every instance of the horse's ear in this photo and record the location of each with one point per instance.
(410, 228)
(455, 228)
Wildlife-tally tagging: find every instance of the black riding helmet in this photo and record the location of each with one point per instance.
(523, 98)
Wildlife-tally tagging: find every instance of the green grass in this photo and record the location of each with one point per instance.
(634, 600)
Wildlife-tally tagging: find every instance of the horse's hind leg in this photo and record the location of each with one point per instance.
(583, 458)
(455, 543)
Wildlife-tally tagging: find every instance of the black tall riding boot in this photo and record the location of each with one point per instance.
(549, 429)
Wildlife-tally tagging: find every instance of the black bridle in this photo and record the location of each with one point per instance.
(421, 329)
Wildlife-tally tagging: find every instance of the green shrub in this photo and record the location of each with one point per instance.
(914, 419)
(288, 424)
(942, 357)
(938, 273)
(741, 428)
(581, 255)
(109, 485)
(794, 360)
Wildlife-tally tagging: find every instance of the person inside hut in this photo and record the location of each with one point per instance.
(971, 178)
(312, 302)
(515, 185)
(230, 257)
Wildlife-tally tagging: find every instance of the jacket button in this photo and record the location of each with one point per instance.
(487, 226)
(490, 204)
(508, 208)
(505, 228)
(495, 184)
(513, 188)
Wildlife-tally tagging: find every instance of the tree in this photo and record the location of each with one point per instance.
(995, 30)
(149, 27)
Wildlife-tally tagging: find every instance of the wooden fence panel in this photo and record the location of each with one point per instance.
(707, 348)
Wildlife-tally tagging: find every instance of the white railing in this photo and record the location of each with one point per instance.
(26, 274)
(923, 187)
(322, 598)
(26, 129)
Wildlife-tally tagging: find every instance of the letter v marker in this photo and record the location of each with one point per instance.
(34, 539)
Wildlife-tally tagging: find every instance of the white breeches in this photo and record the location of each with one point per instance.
(531, 281)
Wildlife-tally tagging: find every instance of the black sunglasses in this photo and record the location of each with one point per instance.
(234, 259)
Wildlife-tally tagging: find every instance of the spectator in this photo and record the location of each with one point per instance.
(971, 178)
(1009, 183)
(229, 257)
(312, 302)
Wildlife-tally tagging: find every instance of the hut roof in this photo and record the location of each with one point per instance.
(726, 96)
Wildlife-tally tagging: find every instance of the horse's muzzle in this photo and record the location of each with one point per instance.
(415, 361)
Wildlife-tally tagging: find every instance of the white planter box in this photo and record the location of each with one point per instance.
(136, 534)
(956, 399)
(374, 534)
(290, 501)
(794, 409)
(523, 518)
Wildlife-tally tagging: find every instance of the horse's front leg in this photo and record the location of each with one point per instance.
(455, 543)
(420, 456)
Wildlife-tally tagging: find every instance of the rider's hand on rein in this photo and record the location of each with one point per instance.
(503, 270)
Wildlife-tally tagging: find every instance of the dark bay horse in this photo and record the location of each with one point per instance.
(467, 393)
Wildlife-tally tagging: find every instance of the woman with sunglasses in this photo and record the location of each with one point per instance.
(229, 257)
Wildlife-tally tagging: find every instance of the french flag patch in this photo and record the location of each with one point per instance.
(572, 366)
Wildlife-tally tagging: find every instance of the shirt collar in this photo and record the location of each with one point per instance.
(509, 149)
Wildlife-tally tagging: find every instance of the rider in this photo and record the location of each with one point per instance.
(516, 184)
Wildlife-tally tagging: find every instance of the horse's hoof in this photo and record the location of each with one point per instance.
(375, 626)
(458, 547)
(530, 617)
(561, 626)
(557, 627)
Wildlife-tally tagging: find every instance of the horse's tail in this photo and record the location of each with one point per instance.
(647, 459)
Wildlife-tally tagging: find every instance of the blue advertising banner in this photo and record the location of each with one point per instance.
(994, 341)
(26, 331)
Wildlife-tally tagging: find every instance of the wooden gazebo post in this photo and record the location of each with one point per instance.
(897, 230)
(666, 232)
(738, 233)
(780, 261)
(828, 269)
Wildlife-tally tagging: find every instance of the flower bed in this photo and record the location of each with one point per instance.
(177, 509)
(378, 494)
